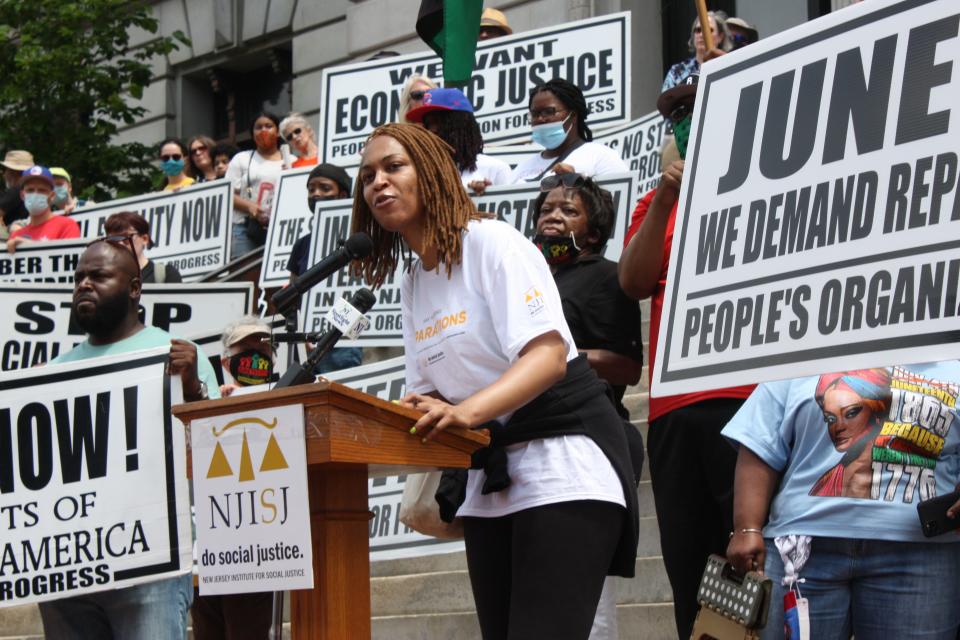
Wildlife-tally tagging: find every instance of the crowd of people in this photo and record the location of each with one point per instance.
(781, 478)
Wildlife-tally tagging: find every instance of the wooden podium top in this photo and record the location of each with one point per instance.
(350, 427)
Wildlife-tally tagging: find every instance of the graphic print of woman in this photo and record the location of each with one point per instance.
(855, 405)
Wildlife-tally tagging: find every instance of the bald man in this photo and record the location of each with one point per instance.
(106, 300)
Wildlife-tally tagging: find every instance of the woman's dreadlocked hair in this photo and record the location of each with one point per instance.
(447, 207)
(572, 98)
(460, 130)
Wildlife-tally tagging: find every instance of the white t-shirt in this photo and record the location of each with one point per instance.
(249, 169)
(488, 168)
(461, 334)
(590, 159)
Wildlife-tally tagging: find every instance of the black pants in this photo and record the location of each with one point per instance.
(691, 470)
(538, 573)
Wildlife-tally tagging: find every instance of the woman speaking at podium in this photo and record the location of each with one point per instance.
(550, 507)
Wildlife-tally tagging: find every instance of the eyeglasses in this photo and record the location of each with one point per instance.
(546, 112)
(679, 113)
(417, 95)
(125, 241)
(174, 156)
(198, 150)
(568, 180)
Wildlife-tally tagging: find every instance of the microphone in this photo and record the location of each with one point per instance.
(346, 318)
(357, 246)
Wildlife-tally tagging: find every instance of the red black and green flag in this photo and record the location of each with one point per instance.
(451, 28)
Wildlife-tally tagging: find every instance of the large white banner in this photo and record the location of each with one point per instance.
(93, 486)
(53, 261)
(190, 228)
(389, 538)
(35, 326)
(819, 222)
(250, 491)
(594, 54)
(512, 204)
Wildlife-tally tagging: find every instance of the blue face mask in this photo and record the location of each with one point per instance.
(60, 194)
(35, 203)
(551, 134)
(172, 167)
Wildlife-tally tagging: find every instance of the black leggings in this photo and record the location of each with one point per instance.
(538, 573)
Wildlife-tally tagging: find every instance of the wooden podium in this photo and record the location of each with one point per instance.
(350, 436)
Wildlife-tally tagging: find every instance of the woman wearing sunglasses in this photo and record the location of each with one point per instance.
(200, 167)
(413, 94)
(558, 115)
(553, 508)
(173, 162)
(302, 140)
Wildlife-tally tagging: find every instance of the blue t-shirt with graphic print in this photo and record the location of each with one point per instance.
(858, 450)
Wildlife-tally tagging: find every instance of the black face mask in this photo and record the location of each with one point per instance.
(250, 367)
(557, 249)
(312, 202)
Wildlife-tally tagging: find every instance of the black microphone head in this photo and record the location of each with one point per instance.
(359, 245)
(363, 299)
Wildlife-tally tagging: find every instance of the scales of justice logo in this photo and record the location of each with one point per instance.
(272, 460)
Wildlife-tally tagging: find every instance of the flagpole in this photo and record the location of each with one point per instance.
(705, 24)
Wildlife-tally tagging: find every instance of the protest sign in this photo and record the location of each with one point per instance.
(93, 491)
(289, 220)
(36, 326)
(51, 261)
(190, 229)
(594, 54)
(389, 538)
(512, 204)
(818, 222)
(250, 491)
(637, 142)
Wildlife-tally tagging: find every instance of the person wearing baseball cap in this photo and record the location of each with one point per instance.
(14, 163)
(449, 114)
(63, 199)
(36, 191)
(493, 24)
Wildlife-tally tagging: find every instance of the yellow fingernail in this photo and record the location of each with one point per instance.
(413, 430)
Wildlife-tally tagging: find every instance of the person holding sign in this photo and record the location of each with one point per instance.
(553, 509)
(691, 465)
(106, 301)
(558, 113)
(829, 474)
(691, 66)
(36, 191)
(449, 114)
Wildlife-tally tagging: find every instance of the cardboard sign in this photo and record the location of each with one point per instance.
(36, 325)
(93, 486)
(50, 261)
(512, 204)
(250, 492)
(819, 221)
(593, 54)
(389, 538)
(190, 228)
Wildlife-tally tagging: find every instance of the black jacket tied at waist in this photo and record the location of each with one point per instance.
(577, 405)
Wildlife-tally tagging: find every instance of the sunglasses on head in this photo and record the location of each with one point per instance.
(121, 240)
(568, 180)
(417, 95)
(174, 156)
